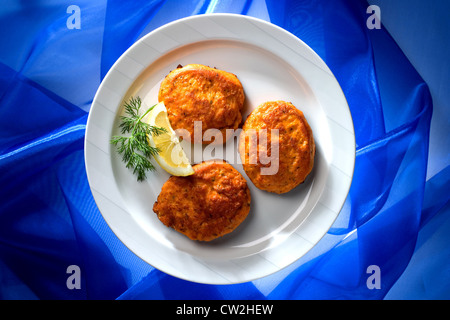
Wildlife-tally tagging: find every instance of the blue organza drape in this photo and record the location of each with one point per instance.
(48, 218)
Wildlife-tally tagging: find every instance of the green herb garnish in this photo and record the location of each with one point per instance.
(135, 149)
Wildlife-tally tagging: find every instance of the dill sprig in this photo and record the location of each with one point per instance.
(135, 149)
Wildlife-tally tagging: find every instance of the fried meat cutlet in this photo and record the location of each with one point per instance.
(199, 93)
(206, 205)
(296, 147)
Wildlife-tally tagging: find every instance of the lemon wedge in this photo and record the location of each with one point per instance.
(171, 157)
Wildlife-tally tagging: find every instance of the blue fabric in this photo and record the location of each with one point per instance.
(48, 218)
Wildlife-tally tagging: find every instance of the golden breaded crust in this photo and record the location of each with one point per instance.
(199, 93)
(296, 146)
(206, 205)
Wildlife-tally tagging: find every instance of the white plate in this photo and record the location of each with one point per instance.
(272, 64)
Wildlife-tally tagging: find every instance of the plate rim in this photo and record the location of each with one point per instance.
(130, 243)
